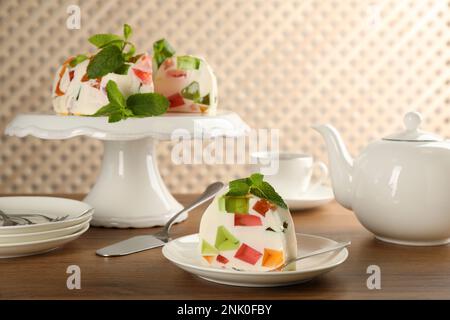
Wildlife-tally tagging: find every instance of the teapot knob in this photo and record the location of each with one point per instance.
(412, 120)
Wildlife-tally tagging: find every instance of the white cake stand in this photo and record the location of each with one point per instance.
(129, 191)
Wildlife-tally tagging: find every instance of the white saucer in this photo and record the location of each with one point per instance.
(12, 250)
(315, 197)
(43, 235)
(49, 206)
(183, 252)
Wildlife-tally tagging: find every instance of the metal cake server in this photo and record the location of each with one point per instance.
(141, 243)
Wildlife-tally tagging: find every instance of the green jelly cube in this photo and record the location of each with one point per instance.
(237, 205)
(225, 240)
(205, 100)
(188, 63)
(208, 249)
(222, 204)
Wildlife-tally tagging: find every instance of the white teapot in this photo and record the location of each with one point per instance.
(398, 187)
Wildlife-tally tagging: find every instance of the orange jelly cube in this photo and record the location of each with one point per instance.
(272, 258)
(209, 259)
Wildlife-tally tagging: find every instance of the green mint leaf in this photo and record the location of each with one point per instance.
(255, 185)
(117, 43)
(123, 69)
(129, 54)
(238, 181)
(127, 31)
(191, 92)
(188, 63)
(161, 51)
(115, 97)
(127, 113)
(101, 40)
(238, 188)
(106, 61)
(266, 191)
(147, 104)
(256, 178)
(78, 59)
(115, 117)
(106, 110)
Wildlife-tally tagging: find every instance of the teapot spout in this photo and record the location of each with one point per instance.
(340, 162)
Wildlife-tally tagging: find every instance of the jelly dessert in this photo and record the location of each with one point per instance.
(247, 228)
(119, 83)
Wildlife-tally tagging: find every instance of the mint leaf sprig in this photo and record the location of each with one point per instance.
(137, 105)
(112, 57)
(255, 185)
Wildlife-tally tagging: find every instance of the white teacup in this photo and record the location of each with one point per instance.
(293, 177)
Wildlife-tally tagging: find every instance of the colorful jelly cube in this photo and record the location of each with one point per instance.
(175, 100)
(237, 205)
(208, 249)
(248, 254)
(221, 202)
(262, 206)
(188, 63)
(192, 92)
(272, 258)
(225, 240)
(222, 259)
(209, 259)
(247, 220)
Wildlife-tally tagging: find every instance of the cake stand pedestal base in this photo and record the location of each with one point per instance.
(129, 192)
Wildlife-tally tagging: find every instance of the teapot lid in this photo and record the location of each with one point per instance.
(412, 122)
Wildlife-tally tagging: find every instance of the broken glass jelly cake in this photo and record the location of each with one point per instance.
(183, 83)
(188, 83)
(246, 233)
(75, 93)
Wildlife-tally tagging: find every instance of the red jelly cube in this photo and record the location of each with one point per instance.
(262, 206)
(248, 254)
(247, 220)
(222, 259)
(145, 77)
(175, 100)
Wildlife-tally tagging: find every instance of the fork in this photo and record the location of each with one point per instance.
(7, 220)
(49, 219)
(54, 219)
(335, 247)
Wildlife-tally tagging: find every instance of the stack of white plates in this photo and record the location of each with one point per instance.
(43, 235)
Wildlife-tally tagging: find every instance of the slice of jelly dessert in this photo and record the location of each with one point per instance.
(247, 227)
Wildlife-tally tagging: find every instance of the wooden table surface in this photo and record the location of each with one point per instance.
(406, 272)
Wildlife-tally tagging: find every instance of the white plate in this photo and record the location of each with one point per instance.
(319, 196)
(183, 252)
(12, 250)
(44, 235)
(50, 206)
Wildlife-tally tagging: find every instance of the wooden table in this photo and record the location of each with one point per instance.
(406, 272)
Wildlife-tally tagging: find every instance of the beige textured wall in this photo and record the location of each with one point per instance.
(281, 63)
